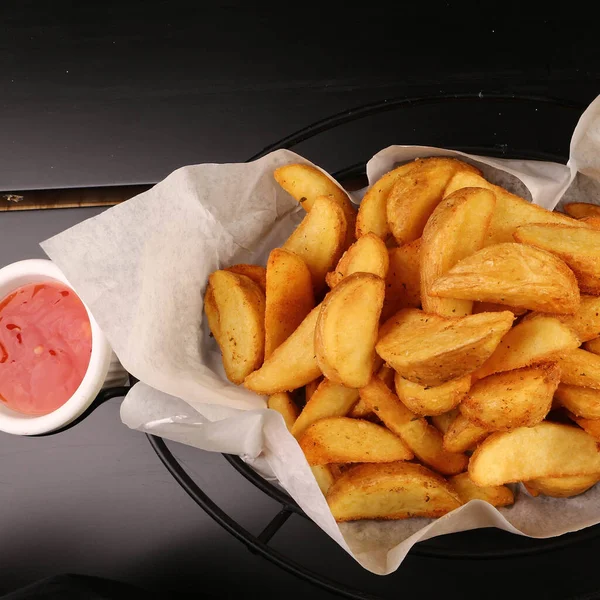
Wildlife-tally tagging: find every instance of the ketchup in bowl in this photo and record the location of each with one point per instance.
(45, 347)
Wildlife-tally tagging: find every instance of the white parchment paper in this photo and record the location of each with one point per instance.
(142, 268)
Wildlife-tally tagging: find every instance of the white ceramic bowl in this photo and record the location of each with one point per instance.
(102, 360)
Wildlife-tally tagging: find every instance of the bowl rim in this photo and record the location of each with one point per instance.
(35, 270)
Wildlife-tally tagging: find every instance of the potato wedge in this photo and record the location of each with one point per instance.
(590, 426)
(306, 183)
(390, 491)
(579, 367)
(415, 195)
(403, 281)
(367, 255)
(431, 400)
(585, 322)
(456, 229)
(344, 440)
(254, 272)
(580, 401)
(292, 365)
(347, 328)
(241, 337)
(593, 346)
(283, 404)
(479, 307)
(580, 210)
(430, 350)
(593, 222)
(324, 476)
(578, 247)
(519, 398)
(421, 437)
(540, 339)
(319, 240)
(510, 212)
(212, 313)
(289, 297)
(442, 422)
(496, 495)
(311, 388)
(512, 274)
(463, 435)
(372, 212)
(329, 400)
(526, 453)
(561, 487)
(361, 410)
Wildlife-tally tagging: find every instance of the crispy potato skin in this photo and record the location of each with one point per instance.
(457, 228)
(519, 398)
(289, 297)
(581, 210)
(544, 450)
(455, 346)
(390, 491)
(344, 440)
(240, 305)
(580, 367)
(346, 330)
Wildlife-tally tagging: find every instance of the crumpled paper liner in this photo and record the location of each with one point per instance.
(142, 269)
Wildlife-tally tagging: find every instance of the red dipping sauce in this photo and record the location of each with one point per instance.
(45, 347)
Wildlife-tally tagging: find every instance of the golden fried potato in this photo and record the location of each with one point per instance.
(324, 476)
(442, 422)
(212, 313)
(562, 487)
(283, 404)
(463, 435)
(240, 304)
(344, 440)
(579, 367)
(590, 426)
(361, 409)
(347, 328)
(585, 322)
(580, 210)
(480, 307)
(329, 400)
(593, 346)
(579, 247)
(496, 495)
(254, 272)
(367, 255)
(421, 437)
(390, 491)
(519, 398)
(430, 350)
(292, 365)
(311, 388)
(510, 212)
(513, 274)
(456, 229)
(372, 212)
(319, 240)
(403, 281)
(306, 184)
(289, 297)
(526, 453)
(580, 401)
(432, 400)
(540, 339)
(593, 222)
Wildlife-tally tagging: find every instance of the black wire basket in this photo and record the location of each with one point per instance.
(525, 134)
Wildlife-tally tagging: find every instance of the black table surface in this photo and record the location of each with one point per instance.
(125, 92)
